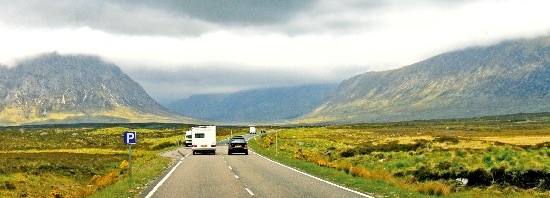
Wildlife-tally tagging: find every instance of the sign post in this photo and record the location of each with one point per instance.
(276, 142)
(130, 138)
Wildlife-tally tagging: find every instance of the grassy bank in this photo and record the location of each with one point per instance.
(84, 161)
(80, 162)
(374, 187)
(457, 158)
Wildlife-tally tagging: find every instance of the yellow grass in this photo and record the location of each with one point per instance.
(120, 130)
(433, 188)
(473, 144)
(517, 140)
(313, 120)
(16, 115)
(80, 150)
(131, 115)
(407, 139)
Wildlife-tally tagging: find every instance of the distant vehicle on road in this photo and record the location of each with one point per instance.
(237, 137)
(252, 130)
(203, 139)
(188, 138)
(237, 145)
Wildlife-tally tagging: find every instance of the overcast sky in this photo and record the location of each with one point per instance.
(176, 48)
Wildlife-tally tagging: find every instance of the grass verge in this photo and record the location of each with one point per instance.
(144, 170)
(376, 187)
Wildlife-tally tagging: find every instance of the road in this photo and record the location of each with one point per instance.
(238, 175)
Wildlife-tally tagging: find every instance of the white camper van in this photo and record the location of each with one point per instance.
(188, 138)
(252, 130)
(203, 139)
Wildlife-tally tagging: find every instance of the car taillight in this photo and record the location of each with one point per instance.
(213, 145)
(245, 146)
(230, 146)
(194, 145)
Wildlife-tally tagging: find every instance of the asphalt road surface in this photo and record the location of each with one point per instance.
(238, 175)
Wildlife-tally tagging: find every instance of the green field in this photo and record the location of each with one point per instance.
(85, 160)
(500, 156)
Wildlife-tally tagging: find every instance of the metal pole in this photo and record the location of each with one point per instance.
(276, 143)
(130, 161)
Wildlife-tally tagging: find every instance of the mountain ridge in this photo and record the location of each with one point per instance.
(510, 77)
(51, 88)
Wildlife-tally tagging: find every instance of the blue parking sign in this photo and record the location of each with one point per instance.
(130, 137)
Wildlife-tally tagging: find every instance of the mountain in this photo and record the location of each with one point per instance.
(255, 106)
(510, 77)
(75, 89)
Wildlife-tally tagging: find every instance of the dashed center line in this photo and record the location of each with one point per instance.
(249, 191)
(237, 177)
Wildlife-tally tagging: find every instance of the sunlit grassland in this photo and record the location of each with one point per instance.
(17, 116)
(75, 161)
(507, 158)
(132, 116)
(80, 162)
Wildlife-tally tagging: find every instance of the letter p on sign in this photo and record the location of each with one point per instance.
(130, 137)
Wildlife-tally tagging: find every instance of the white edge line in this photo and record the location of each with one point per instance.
(164, 179)
(317, 178)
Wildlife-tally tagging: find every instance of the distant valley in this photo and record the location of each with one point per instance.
(268, 105)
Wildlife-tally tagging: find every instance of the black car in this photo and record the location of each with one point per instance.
(237, 145)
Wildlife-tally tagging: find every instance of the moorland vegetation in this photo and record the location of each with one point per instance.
(85, 160)
(481, 157)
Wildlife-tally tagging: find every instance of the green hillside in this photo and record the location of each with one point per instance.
(511, 77)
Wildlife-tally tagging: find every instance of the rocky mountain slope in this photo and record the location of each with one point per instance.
(510, 77)
(75, 89)
(255, 106)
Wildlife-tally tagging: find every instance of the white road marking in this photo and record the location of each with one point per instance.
(230, 167)
(236, 176)
(164, 179)
(249, 191)
(314, 177)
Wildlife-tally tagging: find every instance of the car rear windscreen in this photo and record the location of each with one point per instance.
(238, 141)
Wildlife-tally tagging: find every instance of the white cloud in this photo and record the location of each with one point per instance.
(328, 38)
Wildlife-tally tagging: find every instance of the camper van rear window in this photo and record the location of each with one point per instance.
(199, 135)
